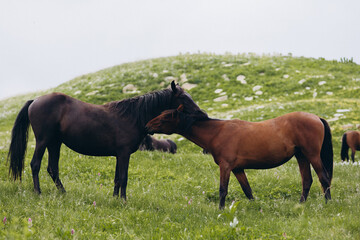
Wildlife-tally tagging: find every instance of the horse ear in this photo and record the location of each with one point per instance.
(180, 108)
(173, 87)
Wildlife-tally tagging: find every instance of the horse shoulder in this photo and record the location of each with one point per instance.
(228, 136)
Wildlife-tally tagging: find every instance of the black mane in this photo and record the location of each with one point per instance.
(145, 107)
(187, 120)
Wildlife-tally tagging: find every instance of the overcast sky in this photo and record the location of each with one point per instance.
(45, 43)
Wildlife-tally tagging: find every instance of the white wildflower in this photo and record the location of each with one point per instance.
(234, 223)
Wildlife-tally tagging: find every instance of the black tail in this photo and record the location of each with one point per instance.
(19, 137)
(344, 149)
(327, 154)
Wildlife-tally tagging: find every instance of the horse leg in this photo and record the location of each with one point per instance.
(121, 175)
(241, 177)
(321, 172)
(36, 164)
(353, 154)
(53, 164)
(306, 177)
(224, 182)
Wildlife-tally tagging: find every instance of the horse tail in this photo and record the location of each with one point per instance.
(327, 154)
(344, 148)
(19, 138)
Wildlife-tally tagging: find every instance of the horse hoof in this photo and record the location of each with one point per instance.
(327, 197)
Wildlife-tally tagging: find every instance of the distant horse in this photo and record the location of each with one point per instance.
(151, 144)
(350, 139)
(237, 145)
(113, 129)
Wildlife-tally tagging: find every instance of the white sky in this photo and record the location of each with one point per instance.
(44, 43)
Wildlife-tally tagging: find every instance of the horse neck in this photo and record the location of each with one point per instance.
(203, 132)
(143, 108)
(158, 109)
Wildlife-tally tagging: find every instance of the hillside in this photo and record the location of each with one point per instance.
(244, 86)
(176, 196)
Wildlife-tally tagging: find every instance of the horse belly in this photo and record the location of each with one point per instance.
(90, 147)
(90, 140)
(263, 163)
(265, 155)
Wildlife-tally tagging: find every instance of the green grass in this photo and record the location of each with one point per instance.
(176, 196)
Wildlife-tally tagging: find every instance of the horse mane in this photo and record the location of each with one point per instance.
(143, 108)
(187, 120)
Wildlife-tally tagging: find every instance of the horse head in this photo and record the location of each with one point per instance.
(167, 122)
(181, 97)
(174, 121)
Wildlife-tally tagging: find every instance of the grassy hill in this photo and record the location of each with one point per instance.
(176, 196)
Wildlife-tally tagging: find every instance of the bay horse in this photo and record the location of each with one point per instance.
(350, 139)
(237, 145)
(151, 144)
(113, 129)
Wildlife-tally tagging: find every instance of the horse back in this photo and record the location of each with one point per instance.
(353, 139)
(47, 109)
(293, 128)
(59, 109)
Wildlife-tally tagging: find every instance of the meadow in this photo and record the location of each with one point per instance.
(176, 196)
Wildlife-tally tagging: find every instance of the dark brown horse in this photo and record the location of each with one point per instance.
(113, 129)
(350, 139)
(237, 145)
(151, 144)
